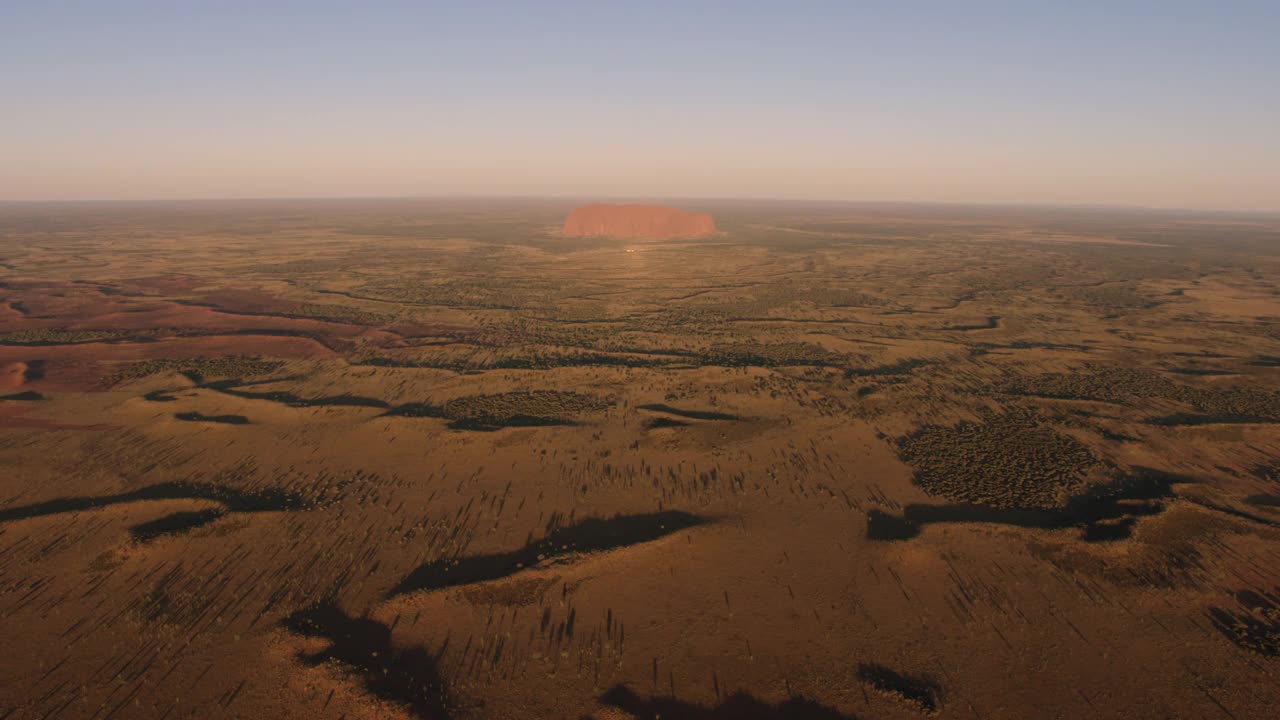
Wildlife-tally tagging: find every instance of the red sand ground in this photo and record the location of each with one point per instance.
(649, 222)
(13, 374)
(14, 416)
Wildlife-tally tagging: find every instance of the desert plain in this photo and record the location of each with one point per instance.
(435, 459)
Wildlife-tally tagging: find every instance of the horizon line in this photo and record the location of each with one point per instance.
(633, 198)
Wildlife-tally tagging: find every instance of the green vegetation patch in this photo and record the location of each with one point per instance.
(772, 355)
(1110, 297)
(526, 408)
(342, 313)
(198, 368)
(59, 336)
(1010, 460)
(1126, 386)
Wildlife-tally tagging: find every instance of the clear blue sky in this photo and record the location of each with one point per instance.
(1131, 103)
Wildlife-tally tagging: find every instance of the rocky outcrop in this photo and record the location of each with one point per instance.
(649, 222)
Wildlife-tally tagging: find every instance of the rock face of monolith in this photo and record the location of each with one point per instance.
(648, 222)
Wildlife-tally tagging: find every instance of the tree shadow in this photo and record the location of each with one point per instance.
(1104, 513)
(408, 676)
(739, 706)
(591, 535)
(920, 691)
(262, 500)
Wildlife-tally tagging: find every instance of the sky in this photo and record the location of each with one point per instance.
(1123, 102)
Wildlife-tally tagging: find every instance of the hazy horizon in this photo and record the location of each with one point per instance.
(1129, 105)
(691, 201)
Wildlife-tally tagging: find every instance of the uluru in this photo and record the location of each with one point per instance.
(650, 222)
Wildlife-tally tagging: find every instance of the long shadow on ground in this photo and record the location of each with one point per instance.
(175, 524)
(592, 535)
(478, 424)
(233, 388)
(232, 501)
(691, 414)
(263, 500)
(220, 419)
(919, 691)
(408, 676)
(1254, 625)
(739, 706)
(1104, 513)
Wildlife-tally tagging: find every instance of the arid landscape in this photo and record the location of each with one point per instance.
(439, 459)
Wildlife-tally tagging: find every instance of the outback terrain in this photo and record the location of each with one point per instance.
(388, 459)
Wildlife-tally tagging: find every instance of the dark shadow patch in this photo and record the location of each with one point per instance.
(264, 500)
(159, 396)
(1264, 500)
(1119, 436)
(691, 414)
(902, 367)
(884, 526)
(487, 413)
(417, 410)
(1267, 473)
(35, 371)
(28, 396)
(918, 690)
(201, 417)
(587, 536)
(990, 323)
(1254, 624)
(1200, 372)
(545, 362)
(664, 422)
(1192, 419)
(1104, 513)
(1032, 345)
(230, 387)
(175, 524)
(486, 425)
(739, 706)
(1234, 512)
(408, 676)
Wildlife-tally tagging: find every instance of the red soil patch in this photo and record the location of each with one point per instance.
(13, 374)
(637, 221)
